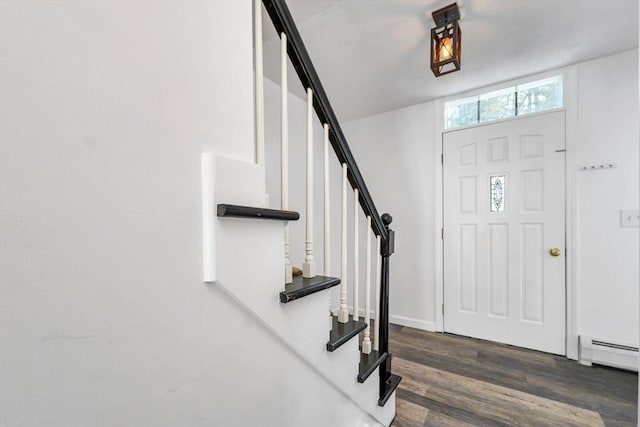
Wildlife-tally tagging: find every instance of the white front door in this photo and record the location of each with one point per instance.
(503, 217)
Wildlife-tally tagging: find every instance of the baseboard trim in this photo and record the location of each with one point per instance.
(620, 356)
(398, 320)
(413, 323)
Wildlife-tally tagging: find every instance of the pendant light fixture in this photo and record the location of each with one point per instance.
(446, 41)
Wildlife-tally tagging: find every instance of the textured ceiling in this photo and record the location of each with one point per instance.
(373, 55)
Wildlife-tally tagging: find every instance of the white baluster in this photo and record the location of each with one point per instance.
(356, 258)
(343, 311)
(259, 82)
(284, 152)
(366, 341)
(376, 328)
(327, 213)
(309, 265)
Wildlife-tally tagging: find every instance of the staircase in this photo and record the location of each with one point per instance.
(339, 345)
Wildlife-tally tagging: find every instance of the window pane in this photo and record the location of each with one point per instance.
(496, 183)
(500, 104)
(540, 95)
(461, 112)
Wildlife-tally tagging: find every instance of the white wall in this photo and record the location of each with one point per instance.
(104, 319)
(396, 151)
(105, 109)
(607, 254)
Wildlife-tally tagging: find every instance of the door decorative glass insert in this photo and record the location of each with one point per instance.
(497, 193)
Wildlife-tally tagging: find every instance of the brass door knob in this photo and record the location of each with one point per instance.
(554, 251)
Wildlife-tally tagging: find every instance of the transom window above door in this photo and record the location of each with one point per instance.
(532, 97)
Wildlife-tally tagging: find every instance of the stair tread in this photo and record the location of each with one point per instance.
(301, 287)
(389, 387)
(369, 363)
(237, 211)
(343, 332)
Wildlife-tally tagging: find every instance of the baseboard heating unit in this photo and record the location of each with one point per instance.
(605, 353)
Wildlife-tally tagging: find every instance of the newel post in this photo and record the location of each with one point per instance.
(386, 251)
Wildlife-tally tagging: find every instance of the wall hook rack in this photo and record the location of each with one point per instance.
(598, 167)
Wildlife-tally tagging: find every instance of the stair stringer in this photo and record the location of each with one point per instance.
(250, 249)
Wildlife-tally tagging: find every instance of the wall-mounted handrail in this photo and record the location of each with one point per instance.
(283, 22)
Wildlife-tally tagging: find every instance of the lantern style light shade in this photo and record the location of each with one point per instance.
(446, 41)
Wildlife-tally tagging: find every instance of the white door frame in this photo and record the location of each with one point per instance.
(569, 75)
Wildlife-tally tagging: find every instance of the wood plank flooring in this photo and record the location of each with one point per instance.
(450, 380)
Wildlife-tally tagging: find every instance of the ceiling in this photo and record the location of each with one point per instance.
(373, 55)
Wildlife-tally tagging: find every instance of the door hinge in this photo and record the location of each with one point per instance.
(442, 233)
(442, 309)
(442, 159)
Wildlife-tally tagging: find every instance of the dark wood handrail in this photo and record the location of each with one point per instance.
(284, 23)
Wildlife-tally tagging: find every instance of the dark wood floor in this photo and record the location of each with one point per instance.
(450, 380)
